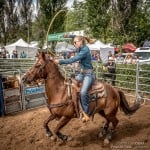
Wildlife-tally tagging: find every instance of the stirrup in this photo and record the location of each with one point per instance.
(85, 117)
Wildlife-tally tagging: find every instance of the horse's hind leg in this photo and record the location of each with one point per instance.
(48, 131)
(61, 124)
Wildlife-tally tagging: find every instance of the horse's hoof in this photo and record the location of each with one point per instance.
(53, 138)
(100, 135)
(106, 142)
(69, 138)
(49, 134)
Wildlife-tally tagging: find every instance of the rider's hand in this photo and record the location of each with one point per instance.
(56, 61)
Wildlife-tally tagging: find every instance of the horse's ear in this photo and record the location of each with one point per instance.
(43, 56)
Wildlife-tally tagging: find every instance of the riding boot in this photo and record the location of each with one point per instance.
(85, 117)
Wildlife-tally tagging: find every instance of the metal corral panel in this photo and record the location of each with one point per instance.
(1, 98)
(11, 92)
(34, 97)
(35, 103)
(12, 100)
(13, 107)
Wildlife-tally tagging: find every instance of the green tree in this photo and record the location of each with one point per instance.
(99, 17)
(16, 15)
(9, 21)
(48, 9)
(25, 15)
(2, 23)
(139, 24)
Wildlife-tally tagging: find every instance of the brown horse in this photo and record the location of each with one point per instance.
(62, 106)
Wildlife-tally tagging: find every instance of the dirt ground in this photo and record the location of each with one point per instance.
(24, 131)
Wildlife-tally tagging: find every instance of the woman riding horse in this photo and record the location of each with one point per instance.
(62, 107)
(87, 76)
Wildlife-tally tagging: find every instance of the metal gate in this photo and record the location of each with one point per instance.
(143, 81)
(11, 92)
(17, 96)
(33, 96)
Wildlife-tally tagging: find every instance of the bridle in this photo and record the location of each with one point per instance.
(40, 70)
(51, 106)
(41, 66)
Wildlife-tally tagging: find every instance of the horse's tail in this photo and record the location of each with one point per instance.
(125, 106)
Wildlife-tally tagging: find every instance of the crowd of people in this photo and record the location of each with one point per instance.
(5, 54)
(128, 59)
(118, 58)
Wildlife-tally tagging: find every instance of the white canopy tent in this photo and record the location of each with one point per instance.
(103, 48)
(21, 46)
(64, 47)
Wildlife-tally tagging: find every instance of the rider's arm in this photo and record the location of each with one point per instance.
(78, 57)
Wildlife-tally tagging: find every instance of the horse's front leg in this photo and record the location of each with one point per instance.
(104, 129)
(111, 131)
(48, 131)
(63, 121)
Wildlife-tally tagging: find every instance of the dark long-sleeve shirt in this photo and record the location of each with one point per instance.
(111, 67)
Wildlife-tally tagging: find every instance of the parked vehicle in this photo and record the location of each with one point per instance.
(144, 54)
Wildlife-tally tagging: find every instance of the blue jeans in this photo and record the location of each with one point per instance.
(87, 80)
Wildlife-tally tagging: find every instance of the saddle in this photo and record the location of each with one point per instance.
(97, 87)
(96, 91)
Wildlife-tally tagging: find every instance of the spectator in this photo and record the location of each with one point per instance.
(1, 55)
(119, 59)
(23, 55)
(15, 54)
(98, 58)
(3, 50)
(4, 55)
(114, 57)
(135, 59)
(111, 68)
(109, 54)
(7, 55)
(93, 57)
(128, 59)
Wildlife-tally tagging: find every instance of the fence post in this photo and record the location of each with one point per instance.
(137, 82)
(21, 87)
(1, 98)
(97, 67)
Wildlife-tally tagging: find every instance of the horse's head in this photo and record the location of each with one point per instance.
(38, 70)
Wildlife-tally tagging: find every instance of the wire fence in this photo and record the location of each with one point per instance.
(132, 79)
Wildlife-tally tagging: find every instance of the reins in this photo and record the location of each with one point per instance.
(59, 105)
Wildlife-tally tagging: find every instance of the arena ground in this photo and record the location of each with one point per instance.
(24, 131)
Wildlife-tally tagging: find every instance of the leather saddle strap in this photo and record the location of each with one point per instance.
(96, 101)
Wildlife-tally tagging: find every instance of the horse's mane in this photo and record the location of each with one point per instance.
(58, 72)
(48, 59)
